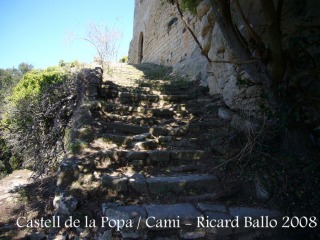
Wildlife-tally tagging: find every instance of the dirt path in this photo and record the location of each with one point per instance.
(20, 195)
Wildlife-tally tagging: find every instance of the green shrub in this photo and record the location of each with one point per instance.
(35, 116)
(5, 156)
(190, 5)
(124, 59)
(37, 81)
(15, 162)
(75, 63)
(62, 63)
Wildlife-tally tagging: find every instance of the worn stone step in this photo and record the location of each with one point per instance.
(110, 86)
(193, 128)
(135, 96)
(178, 184)
(157, 156)
(157, 113)
(160, 184)
(151, 157)
(103, 159)
(147, 97)
(188, 168)
(129, 110)
(148, 144)
(134, 129)
(164, 130)
(118, 139)
(188, 155)
(199, 221)
(137, 120)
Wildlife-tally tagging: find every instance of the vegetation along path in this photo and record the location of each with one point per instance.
(145, 153)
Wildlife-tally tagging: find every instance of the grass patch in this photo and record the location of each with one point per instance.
(154, 71)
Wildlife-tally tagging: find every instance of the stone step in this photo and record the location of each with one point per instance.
(118, 139)
(173, 129)
(137, 120)
(157, 156)
(147, 141)
(161, 184)
(190, 221)
(193, 127)
(166, 89)
(148, 144)
(110, 86)
(142, 94)
(102, 160)
(133, 129)
(188, 168)
(140, 111)
(145, 97)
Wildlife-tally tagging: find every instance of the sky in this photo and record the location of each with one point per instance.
(36, 31)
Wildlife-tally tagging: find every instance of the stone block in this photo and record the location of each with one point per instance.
(187, 155)
(146, 145)
(177, 184)
(141, 137)
(119, 184)
(65, 205)
(225, 114)
(138, 183)
(165, 139)
(133, 155)
(159, 156)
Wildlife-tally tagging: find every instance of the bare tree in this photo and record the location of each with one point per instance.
(105, 40)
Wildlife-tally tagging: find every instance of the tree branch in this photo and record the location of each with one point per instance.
(199, 44)
(279, 10)
(191, 32)
(249, 29)
(273, 39)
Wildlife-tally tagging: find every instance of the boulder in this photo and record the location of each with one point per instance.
(119, 184)
(138, 183)
(225, 114)
(65, 205)
(235, 86)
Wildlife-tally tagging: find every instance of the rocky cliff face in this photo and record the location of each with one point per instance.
(166, 41)
(228, 79)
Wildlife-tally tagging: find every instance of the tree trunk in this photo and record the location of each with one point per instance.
(296, 137)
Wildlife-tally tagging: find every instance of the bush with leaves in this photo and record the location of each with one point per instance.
(8, 79)
(124, 59)
(36, 115)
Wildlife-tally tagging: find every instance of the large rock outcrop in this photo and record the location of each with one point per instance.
(165, 40)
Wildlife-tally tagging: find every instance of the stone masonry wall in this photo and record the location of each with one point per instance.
(167, 42)
(165, 39)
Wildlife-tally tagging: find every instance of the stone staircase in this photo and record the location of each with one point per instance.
(144, 165)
